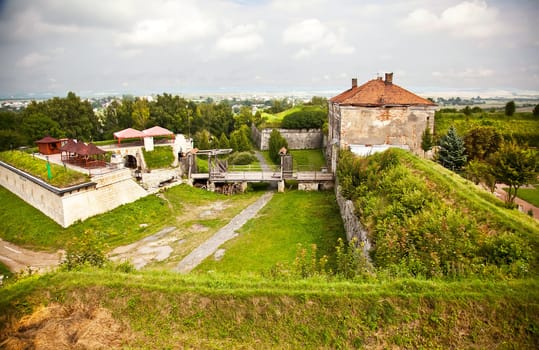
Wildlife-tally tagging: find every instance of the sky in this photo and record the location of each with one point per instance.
(226, 46)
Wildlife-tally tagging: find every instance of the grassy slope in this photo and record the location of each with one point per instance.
(272, 237)
(61, 177)
(167, 310)
(274, 120)
(304, 159)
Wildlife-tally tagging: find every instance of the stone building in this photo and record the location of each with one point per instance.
(375, 116)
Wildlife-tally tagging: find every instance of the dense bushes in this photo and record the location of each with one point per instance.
(241, 158)
(307, 118)
(419, 227)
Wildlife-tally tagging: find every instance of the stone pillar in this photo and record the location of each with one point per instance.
(148, 144)
(243, 186)
(280, 186)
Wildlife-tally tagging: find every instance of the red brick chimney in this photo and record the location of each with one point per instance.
(389, 78)
(354, 82)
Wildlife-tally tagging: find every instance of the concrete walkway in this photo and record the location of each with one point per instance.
(262, 160)
(224, 234)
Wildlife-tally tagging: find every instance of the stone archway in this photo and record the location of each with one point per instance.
(130, 161)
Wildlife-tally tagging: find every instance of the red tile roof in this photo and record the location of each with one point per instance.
(378, 92)
(128, 133)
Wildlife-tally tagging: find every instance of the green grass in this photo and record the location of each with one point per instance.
(24, 225)
(522, 125)
(160, 157)
(304, 159)
(163, 310)
(530, 195)
(4, 271)
(289, 219)
(61, 177)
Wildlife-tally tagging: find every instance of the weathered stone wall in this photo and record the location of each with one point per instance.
(352, 225)
(296, 138)
(379, 125)
(105, 193)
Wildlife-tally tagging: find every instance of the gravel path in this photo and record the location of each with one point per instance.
(226, 233)
(263, 164)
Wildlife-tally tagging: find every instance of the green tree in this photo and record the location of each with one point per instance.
(481, 142)
(141, 113)
(510, 108)
(202, 139)
(426, 140)
(239, 139)
(481, 172)
(452, 153)
(244, 117)
(514, 166)
(276, 142)
(536, 111)
(223, 141)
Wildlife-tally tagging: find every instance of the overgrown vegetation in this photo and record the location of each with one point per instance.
(311, 117)
(160, 157)
(60, 176)
(426, 221)
(521, 126)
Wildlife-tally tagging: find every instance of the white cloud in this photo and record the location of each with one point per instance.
(242, 38)
(174, 22)
(297, 5)
(313, 35)
(466, 19)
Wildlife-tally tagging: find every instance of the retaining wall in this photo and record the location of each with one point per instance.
(352, 225)
(67, 205)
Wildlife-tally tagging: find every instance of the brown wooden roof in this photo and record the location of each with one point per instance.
(48, 139)
(378, 92)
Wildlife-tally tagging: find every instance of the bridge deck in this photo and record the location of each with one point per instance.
(264, 176)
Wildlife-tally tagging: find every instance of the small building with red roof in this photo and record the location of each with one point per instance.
(375, 116)
(49, 145)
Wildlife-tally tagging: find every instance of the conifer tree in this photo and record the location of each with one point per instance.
(276, 142)
(452, 153)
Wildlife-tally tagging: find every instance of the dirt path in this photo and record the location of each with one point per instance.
(523, 206)
(224, 234)
(18, 259)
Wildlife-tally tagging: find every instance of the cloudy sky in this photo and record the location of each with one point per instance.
(142, 46)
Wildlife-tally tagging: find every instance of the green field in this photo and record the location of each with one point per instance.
(289, 219)
(530, 195)
(160, 157)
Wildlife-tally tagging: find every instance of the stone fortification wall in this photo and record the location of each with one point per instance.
(65, 206)
(112, 190)
(352, 225)
(296, 138)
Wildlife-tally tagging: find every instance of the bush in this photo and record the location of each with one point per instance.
(307, 118)
(241, 158)
(86, 251)
(276, 142)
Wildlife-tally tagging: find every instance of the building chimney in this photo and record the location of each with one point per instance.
(354, 82)
(389, 78)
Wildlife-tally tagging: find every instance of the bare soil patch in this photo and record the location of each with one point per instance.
(67, 327)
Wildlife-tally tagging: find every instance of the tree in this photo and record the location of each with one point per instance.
(276, 142)
(239, 139)
(452, 153)
(481, 142)
(223, 141)
(514, 166)
(202, 139)
(510, 108)
(481, 172)
(536, 111)
(426, 140)
(141, 113)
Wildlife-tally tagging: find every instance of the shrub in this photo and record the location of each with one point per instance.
(241, 158)
(276, 142)
(88, 250)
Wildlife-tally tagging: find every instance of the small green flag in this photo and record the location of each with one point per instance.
(49, 174)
